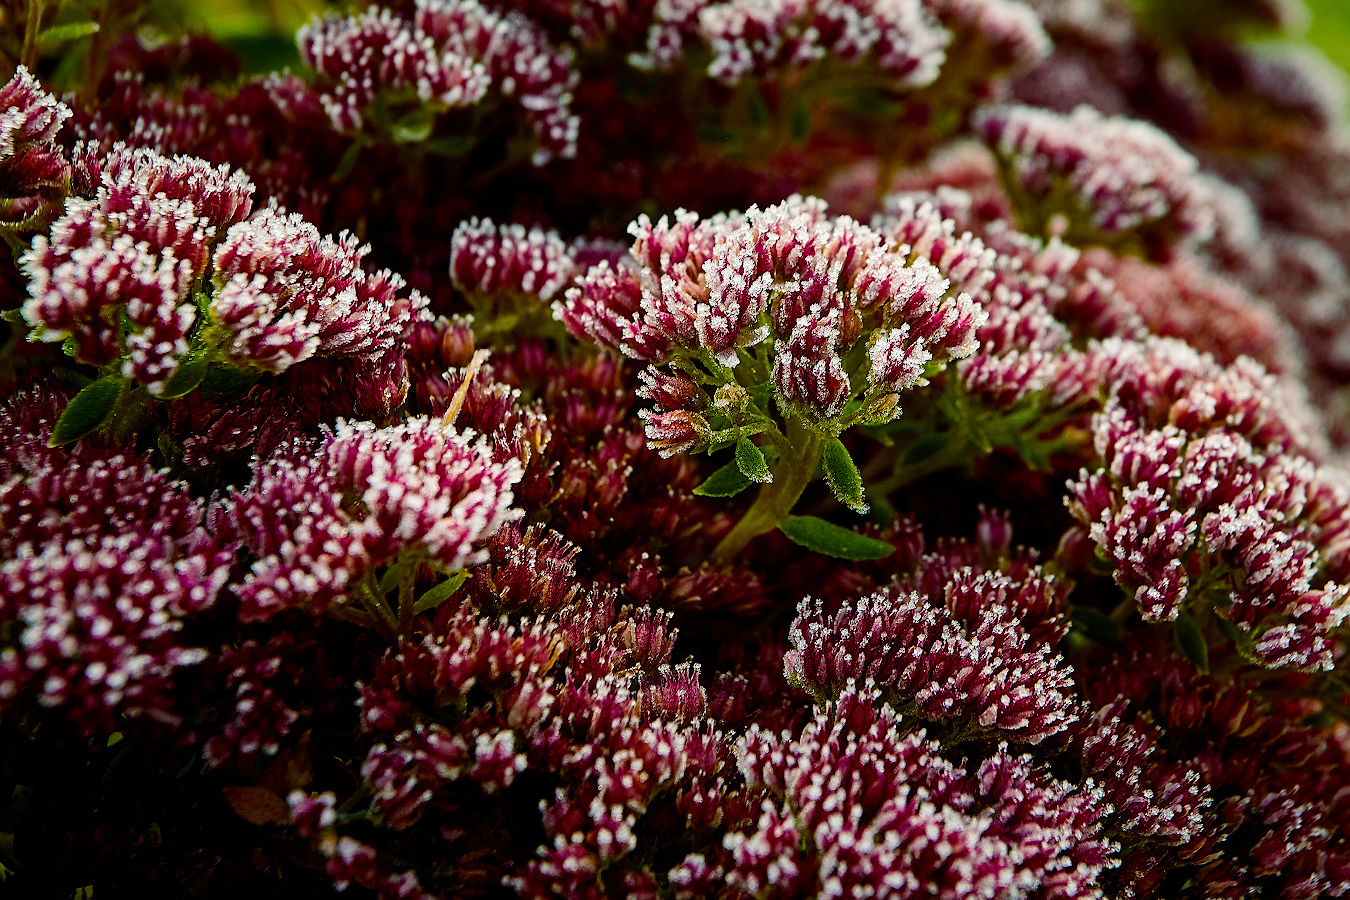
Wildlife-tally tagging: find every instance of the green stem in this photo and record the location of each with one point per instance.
(1121, 612)
(406, 602)
(369, 593)
(355, 616)
(792, 472)
(954, 452)
(32, 25)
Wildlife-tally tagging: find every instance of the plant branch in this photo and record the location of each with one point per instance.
(792, 472)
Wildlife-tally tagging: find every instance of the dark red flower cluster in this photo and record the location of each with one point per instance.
(574, 450)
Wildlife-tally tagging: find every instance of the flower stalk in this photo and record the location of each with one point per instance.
(792, 471)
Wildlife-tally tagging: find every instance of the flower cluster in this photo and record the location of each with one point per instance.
(1108, 177)
(971, 660)
(904, 38)
(32, 168)
(857, 806)
(374, 514)
(789, 294)
(509, 274)
(285, 293)
(322, 519)
(1204, 522)
(104, 559)
(449, 54)
(116, 275)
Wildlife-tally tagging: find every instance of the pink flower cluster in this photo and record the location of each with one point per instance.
(322, 518)
(32, 167)
(1204, 520)
(1109, 176)
(448, 54)
(285, 293)
(116, 274)
(971, 659)
(558, 567)
(785, 288)
(904, 39)
(509, 259)
(104, 558)
(859, 806)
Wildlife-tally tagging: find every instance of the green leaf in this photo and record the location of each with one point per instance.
(348, 161)
(725, 482)
(924, 448)
(59, 34)
(831, 540)
(453, 145)
(801, 123)
(978, 438)
(1097, 625)
(1230, 631)
(226, 382)
(190, 374)
(393, 575)
(750, 460)
(842, 475)
(441, 592)
(87, 410)
(1192, 642)
(414, 127)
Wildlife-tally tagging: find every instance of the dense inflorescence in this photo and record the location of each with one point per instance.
(446, 56)
(809, 448)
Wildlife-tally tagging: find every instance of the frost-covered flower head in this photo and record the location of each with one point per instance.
(1203, 524)
(114, 276)
(871, 808)
(907, 42)
(32, 167)
(1110, 177)
(823, 311)
(159, 273)
(321, 518)
(903, 38)
(104, 559)
(970, 656)
(448, 54)
(509, 274)
(284, 293)
(491, 259)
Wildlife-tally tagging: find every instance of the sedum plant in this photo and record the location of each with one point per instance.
(774, 332)
(774, 450)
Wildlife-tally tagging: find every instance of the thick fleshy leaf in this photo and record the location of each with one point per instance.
(226, 382)
(442, 592)
(750, 460)
(727, 481)
(842, 475)
(59, 34)
(87, 410)
(185, 380)
(1192, 642)
(832, 540)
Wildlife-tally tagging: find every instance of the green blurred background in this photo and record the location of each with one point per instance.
(1330, 29)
